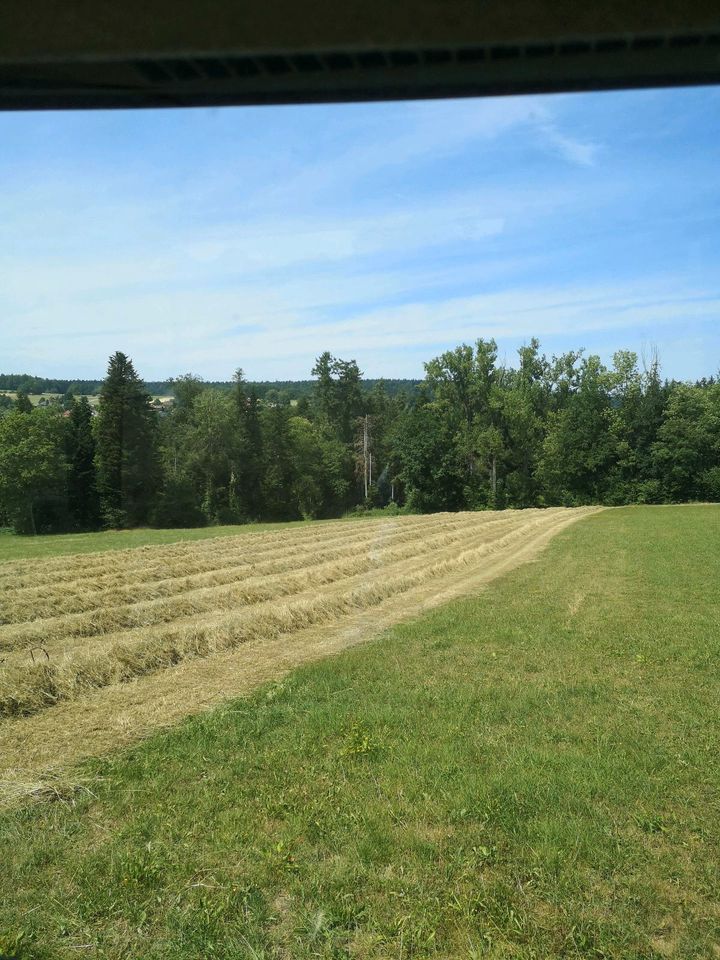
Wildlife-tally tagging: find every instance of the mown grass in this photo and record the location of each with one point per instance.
(13, 547)
(532, 773)
(113, 644)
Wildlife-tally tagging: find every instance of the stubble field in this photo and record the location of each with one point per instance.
(154, 624)
(530, 771)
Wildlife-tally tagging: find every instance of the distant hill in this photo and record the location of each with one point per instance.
(293, 389)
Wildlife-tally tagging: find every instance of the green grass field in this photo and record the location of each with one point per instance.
(532, 773)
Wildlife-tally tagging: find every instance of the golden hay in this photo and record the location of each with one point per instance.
(167, 632)
(151, 563)
(37, 749)
(188, 600)
(63, 568)
(130, 582)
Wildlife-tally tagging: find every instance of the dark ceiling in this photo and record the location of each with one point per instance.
(129, 53)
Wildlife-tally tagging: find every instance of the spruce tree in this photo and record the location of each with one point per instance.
(251, 467)
(280, 472)
(126, 446)
(80, 445)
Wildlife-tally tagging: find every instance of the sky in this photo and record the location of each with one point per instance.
(210, 239)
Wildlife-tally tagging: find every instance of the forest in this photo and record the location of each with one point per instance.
(288, 389)
(474, 434)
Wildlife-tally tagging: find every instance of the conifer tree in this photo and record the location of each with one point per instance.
(250, 468)
(279, 474)
(83, 504)
(126, 446)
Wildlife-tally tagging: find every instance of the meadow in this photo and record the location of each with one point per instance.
(528, 772)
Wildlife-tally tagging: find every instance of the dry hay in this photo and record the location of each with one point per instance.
(275, 596)
(320, 568)
(133, 581)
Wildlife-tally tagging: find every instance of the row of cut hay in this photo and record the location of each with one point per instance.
(144, 561)
(102, 646)
(36, 686)
(67, 568)
(97, 607)
(255, 589)
(164, 579)
(82, 597)
(155, 649)
(161, 562)
(150, 572)
(75, 566)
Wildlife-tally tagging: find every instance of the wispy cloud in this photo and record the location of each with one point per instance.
(193, 332)
(583, 153)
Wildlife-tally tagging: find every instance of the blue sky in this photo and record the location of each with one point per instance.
(205, 240)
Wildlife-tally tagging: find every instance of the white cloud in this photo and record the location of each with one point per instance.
(253, 254)
(571, 149)
(175, 332)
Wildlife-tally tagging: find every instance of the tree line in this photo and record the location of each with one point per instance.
(474, 434)
(288, 389)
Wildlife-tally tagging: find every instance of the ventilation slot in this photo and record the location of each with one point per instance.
(174, 71)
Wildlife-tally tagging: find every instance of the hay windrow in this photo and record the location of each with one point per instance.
(262, 609)
(145, 564)
(66, 568)
(187, 600)
(129, 582)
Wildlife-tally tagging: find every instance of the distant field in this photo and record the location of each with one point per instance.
(35, 398)
(529, 773)
(93, 398)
